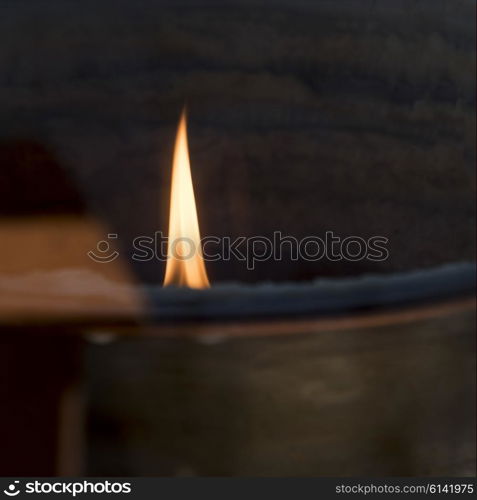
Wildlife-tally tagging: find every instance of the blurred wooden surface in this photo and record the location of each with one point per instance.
(304, 117)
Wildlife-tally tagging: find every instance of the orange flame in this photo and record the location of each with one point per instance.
(185, 264)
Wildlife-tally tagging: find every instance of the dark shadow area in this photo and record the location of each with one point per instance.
(33, 183)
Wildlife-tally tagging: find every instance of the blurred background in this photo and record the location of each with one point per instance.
(351, 116)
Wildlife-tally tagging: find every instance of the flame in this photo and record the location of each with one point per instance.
(185, 264)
